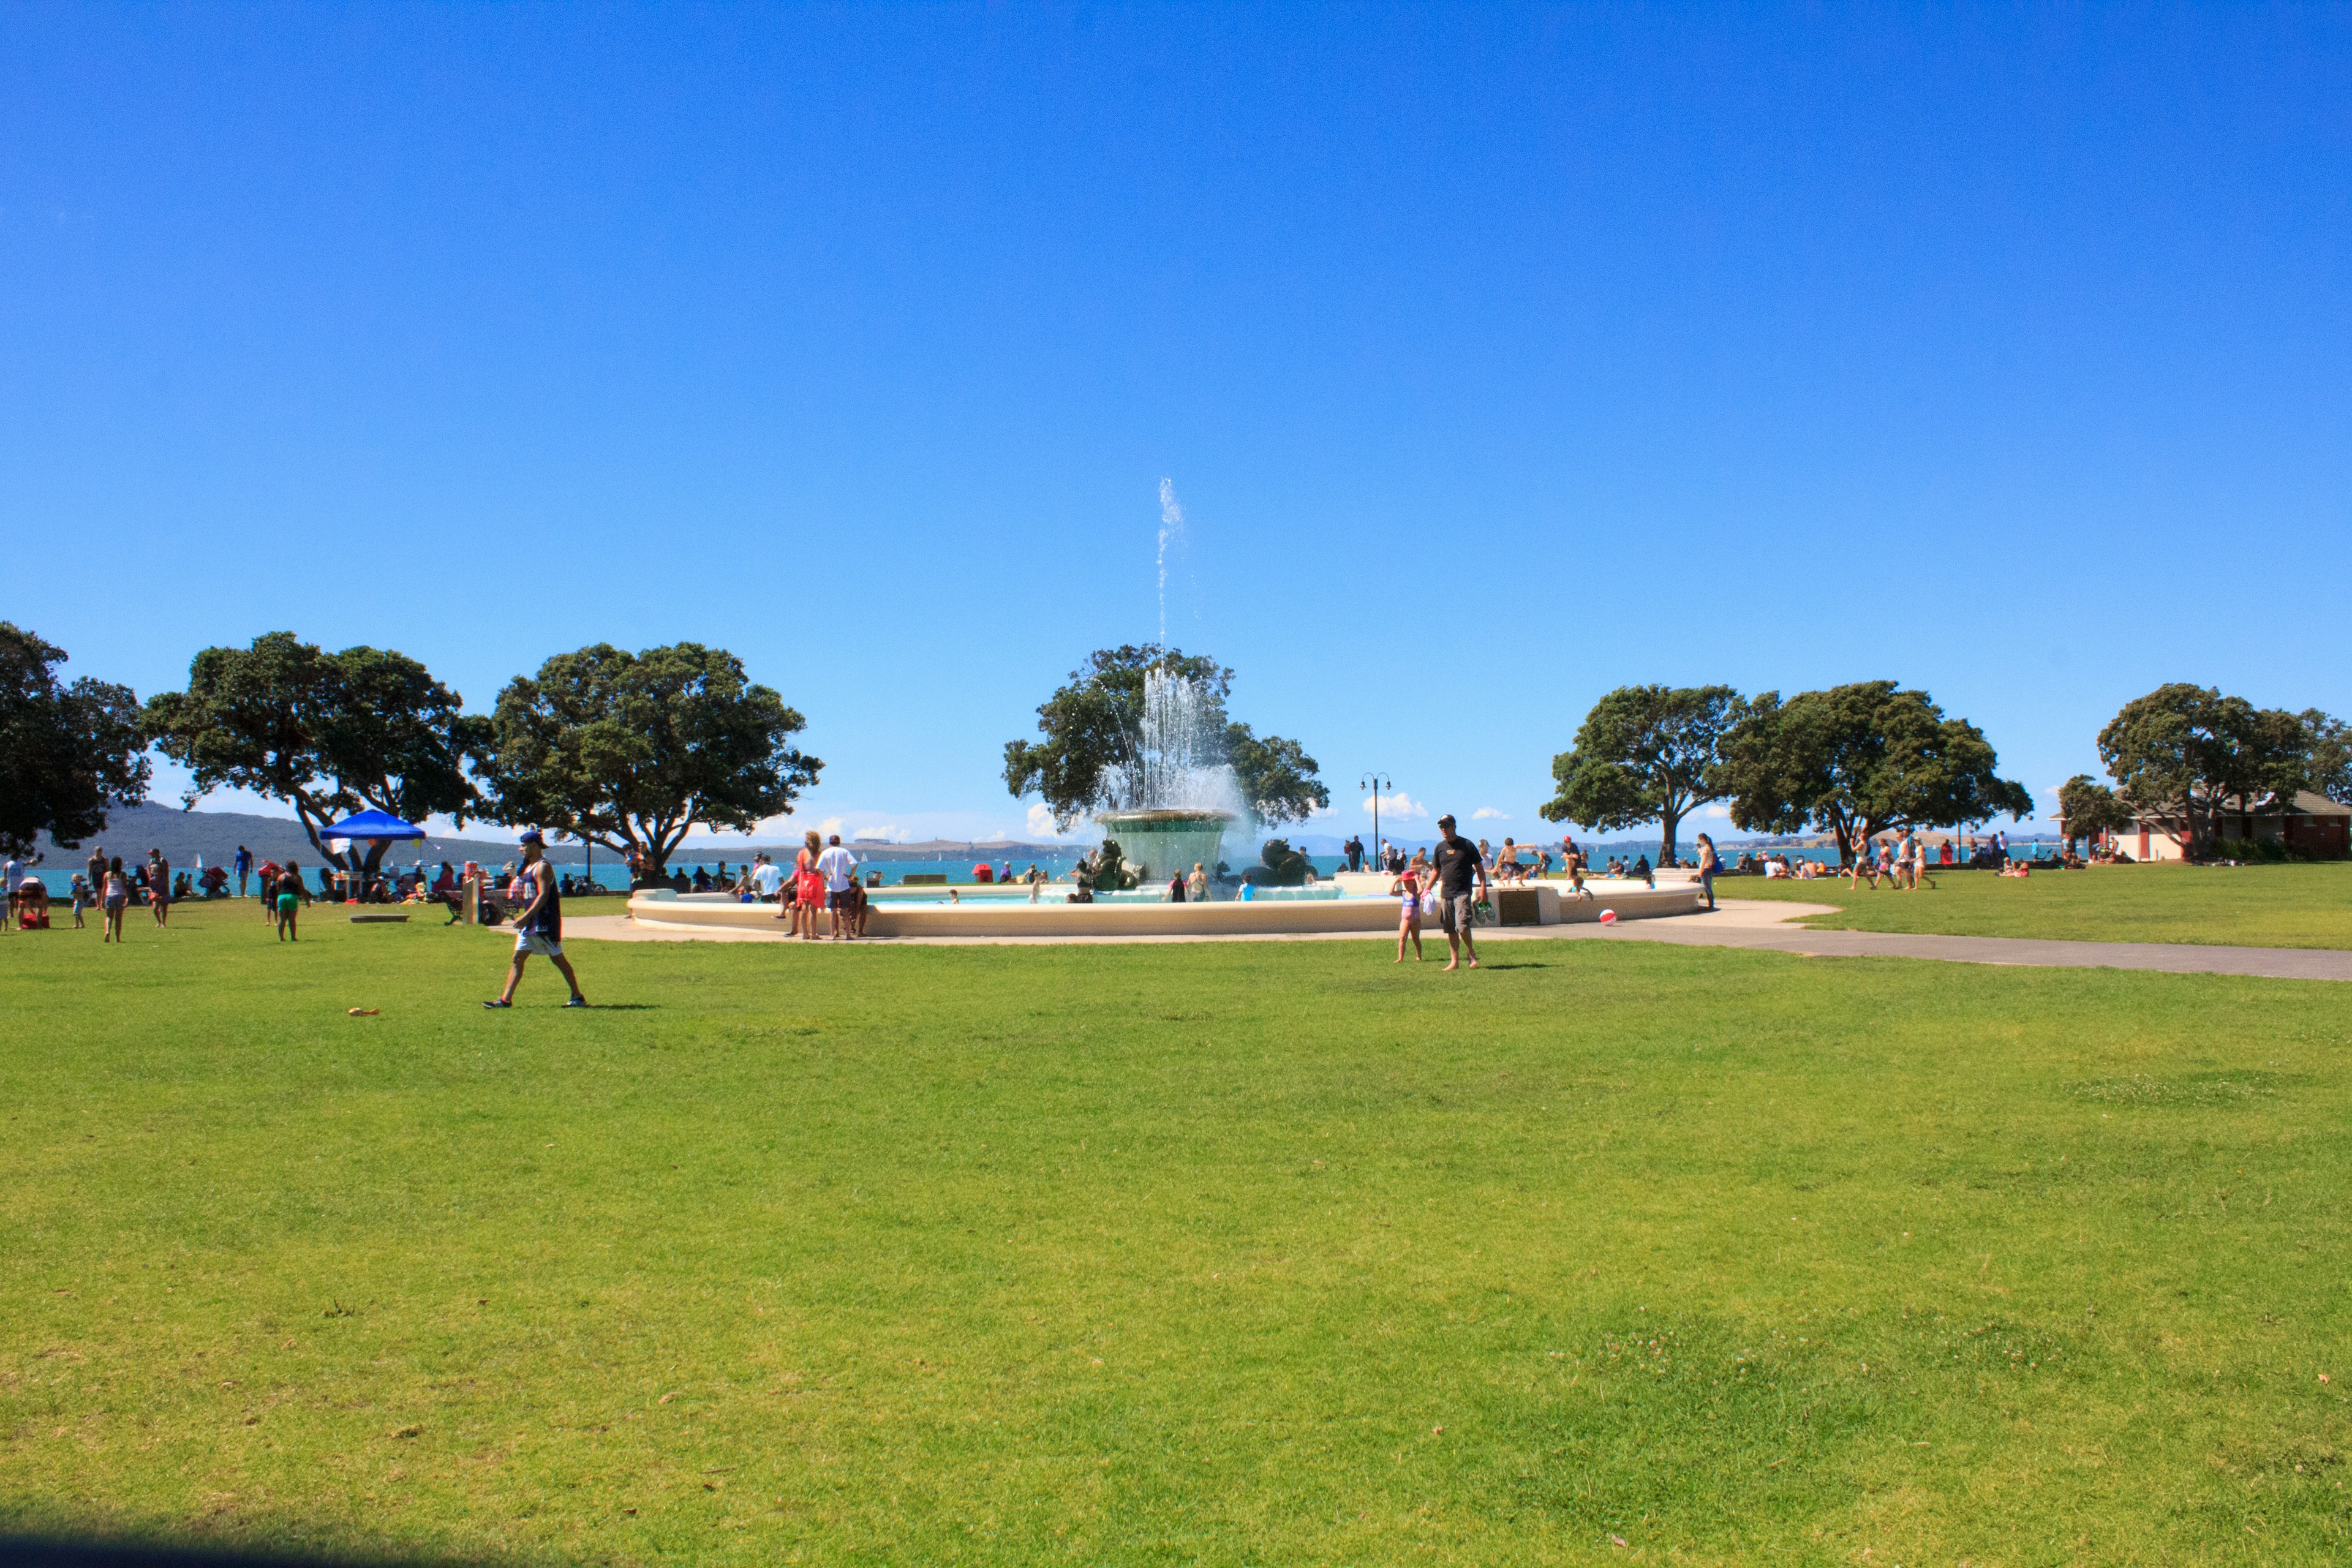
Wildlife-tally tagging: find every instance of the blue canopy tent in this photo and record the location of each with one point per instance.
(376, 826)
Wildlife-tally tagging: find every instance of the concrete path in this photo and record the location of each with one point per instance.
(1741, 925)
(1753, 924)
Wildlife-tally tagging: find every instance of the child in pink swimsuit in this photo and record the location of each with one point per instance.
(1408, 888)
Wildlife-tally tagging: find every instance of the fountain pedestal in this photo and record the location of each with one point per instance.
(1159, 844)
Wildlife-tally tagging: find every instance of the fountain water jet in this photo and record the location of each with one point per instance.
(1170, 805)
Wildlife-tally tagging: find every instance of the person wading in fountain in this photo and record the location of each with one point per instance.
(540, 928)
(1458, 867)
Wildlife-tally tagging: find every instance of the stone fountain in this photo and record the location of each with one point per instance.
(1168, 806)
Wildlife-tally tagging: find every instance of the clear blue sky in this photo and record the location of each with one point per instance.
(1499, 357)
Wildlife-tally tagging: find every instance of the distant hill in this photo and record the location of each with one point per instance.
(132, 830)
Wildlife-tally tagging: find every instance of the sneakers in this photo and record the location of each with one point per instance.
(501, 1002)
(577, 1001)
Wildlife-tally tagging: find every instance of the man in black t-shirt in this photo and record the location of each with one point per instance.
(1458, 868)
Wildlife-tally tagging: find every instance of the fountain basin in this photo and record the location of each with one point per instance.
(1529, 906)
(1157, 845)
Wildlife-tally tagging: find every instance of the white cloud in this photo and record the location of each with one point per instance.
(1488, 813)
(873, 835)
(830, 825)
(1321, 812)
(1041, 822)
(1399, 805)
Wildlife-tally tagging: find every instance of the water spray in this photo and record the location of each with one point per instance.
(1171, 527)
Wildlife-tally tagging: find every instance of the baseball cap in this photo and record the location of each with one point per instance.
(532, 835)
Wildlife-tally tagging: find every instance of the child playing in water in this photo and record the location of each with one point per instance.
(1409, 886)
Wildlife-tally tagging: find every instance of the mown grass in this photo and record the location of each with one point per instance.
(2303, 905)
(1235, 1254)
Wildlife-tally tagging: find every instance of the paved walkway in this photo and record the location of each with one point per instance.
(1752, 924)
(1744, 929)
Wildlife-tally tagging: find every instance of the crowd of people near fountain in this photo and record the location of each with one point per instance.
(822, 888)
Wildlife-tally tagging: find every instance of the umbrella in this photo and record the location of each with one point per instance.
(372, 824)
(376, 826)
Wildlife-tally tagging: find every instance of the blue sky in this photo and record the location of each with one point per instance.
(1497, 357)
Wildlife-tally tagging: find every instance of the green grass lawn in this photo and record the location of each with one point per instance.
(1229, 1254)
(2248, 906)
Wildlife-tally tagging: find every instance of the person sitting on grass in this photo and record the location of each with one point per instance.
(1642, 870)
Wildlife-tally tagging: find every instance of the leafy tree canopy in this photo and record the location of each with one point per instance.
(2087, 808)
(2328, 743)
(2183, 754)
(1093, 741)
(67, 752)
(1855, 760)
(630, 751)
(1276, 775)
(1646, 754)
(329, 733)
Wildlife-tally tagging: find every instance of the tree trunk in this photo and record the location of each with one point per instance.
(1669, 819)
(313, 819)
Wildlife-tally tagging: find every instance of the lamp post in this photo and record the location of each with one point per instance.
(1376, 782)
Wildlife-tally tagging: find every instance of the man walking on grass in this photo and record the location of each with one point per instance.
(1458, 866)
(540, 927)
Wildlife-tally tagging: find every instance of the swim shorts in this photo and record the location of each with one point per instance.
(533, 941)
(1454, 912)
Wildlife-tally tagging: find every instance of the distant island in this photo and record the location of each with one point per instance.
(131, 830)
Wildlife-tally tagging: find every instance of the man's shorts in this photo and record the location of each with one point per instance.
(532, 941)
(839, 901)
(1454, 912)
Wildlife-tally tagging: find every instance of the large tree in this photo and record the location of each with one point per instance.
(1092, 751)
(1646, 754)
(631, 750)
(2183, 755)
(1277, 776)
(67, 752)
(2087, 808)
(328, 733)
(2328, 750)
(1855, 760)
